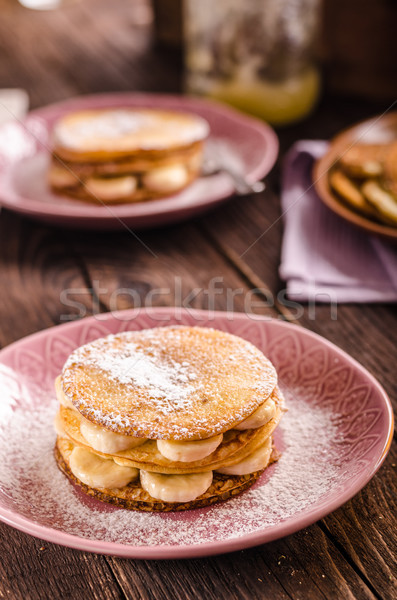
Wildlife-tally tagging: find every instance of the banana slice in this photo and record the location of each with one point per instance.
(175, 488)
(188, 451)
(385, 203)
(343, 186)
(58, 426)
(106, 441)
(111, 188)
(99, 472)
(61, 397)
(260, 417)
(256, 461)
(60, 177)
(166, 179)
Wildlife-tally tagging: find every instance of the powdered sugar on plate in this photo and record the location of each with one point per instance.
(32, 485)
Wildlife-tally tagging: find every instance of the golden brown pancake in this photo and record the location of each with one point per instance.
(112, 133)
(173, 383)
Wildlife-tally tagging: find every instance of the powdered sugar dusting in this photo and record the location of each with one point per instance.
(168, 380)
(146, 129)
(310, 468)
(111, 124)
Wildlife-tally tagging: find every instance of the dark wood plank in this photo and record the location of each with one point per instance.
(221, 578)
(365, 529)
(175, 266)
(84, 47)
(35, 268)
(304, 566)
(32, 569)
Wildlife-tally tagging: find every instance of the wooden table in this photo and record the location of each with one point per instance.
(96, 46)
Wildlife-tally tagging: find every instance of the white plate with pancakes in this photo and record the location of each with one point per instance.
(77, 129)
(333, 438)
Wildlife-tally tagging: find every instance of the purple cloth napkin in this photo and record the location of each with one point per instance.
(325, 258)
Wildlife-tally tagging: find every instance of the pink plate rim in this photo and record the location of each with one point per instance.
(142, 214)
(209, 548)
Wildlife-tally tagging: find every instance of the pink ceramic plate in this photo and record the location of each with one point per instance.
(24, 157)
(334, 437)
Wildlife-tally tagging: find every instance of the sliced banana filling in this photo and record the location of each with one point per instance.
(111, 188)
(188, 451)
(165, 179)
(256, 461)
(99, 472)
(106, 441)
(175, 488)
(260, 417)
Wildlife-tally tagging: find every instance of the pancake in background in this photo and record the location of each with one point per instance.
(126, 155)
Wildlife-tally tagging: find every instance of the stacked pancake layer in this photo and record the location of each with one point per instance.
(125, 155)
(166, 418)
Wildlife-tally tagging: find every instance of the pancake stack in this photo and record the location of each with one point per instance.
(123, 155)
(169, 418)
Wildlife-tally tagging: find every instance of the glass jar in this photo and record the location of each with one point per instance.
(254, 54)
